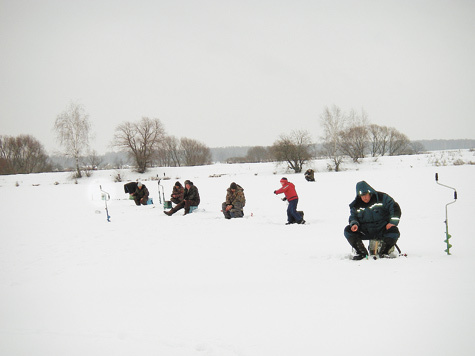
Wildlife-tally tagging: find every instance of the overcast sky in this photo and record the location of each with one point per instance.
(237, 72)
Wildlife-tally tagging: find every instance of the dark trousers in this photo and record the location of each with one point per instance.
(389, 236)
(184, 204)
(292, 215)
(176, 201)
(233, 213)
(142, 200)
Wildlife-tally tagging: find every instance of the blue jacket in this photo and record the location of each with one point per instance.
(372, 217)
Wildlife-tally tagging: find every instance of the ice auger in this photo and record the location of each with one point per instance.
(448, 236)
(106, 196)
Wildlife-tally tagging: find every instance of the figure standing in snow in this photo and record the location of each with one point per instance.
(291, 196)
(178, 193)
(141, 194)
(235, 201)
(191, 198)
(373, 216)
(310, 175)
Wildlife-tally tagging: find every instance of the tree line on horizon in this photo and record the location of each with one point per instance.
(345, 135)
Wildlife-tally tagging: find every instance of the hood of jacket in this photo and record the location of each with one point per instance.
(238, 188)
(363, 188)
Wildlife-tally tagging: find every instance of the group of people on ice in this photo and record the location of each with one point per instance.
(188, 197)
(374, 215)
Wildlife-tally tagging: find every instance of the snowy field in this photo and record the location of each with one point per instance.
(72, 283)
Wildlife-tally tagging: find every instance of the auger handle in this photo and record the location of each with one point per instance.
(437, 181)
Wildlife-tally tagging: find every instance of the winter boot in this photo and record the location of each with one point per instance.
(387, 246)
(361, 251)
(170, 212)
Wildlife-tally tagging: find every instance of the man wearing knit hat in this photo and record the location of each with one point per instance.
(291, 196)
(178, 193)
(235, 201)
(141, 194)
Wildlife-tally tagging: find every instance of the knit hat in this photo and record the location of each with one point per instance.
(284, 180)
(188, 182)
(233, 185)
(139, 184)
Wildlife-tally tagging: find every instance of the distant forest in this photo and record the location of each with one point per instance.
(440, 145)
(223, 154)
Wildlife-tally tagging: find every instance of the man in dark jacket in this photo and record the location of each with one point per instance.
(373, 216)
(141, 194)
(191, 198)
(235, 201)
(310, 175)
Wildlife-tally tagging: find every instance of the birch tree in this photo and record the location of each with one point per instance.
(73, 131)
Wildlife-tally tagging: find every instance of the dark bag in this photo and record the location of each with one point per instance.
(130, 187)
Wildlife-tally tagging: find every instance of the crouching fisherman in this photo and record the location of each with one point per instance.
(141, 194)
(310, 175)
(178, 193)
(373, 216)
(235, 201)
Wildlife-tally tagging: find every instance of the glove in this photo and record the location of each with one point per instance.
(275, 191)
(284, 199)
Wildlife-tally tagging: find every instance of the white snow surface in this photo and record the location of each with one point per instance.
(72, 283)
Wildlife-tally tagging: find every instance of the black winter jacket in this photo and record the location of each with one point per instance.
(192, 194)
(141, 193)
(372, 217)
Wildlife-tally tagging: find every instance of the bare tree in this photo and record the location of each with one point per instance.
(387, 140)
(171, 154)
(22, 154)
(73, 131)
(353, 135)
(378, 139)
(399, 143)
(333, 122)
(354, 140)
(141, 140)
(194, 152)
(6, 164)
(417, 147)
(93, 160)
(294, 149)
(258, 154)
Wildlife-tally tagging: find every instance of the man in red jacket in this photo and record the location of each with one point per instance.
(291, 196)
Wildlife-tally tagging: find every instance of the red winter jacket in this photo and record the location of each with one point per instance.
(289, 190)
